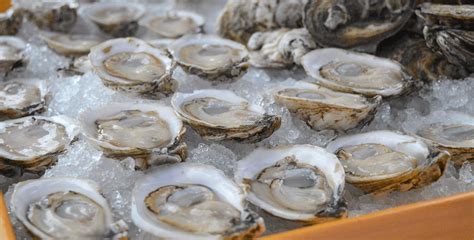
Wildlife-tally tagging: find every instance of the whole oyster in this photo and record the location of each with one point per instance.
(192, 201)
(280, 48)
(210, 57)
(132, 65)
(174, 24)
(321, 108)
(70, 44)
(149, 133)
(53, 15)
(11, 53)
(65, 208)
(222, 115)
(22, 97)
(299, 182)
(10, 21)
(352, 72)
(382, 161)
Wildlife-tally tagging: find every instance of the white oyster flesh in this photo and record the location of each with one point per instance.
(347, 71)
(62, 208)
(173, 24)
(70, 44)
(111, 13)
(293, 182)
(20, 97)
(454, 135)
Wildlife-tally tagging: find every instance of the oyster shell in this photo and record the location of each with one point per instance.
(352, 72)
(10, 21)
(210, 57)
(11, 53)
(65, 208)
(53, 15)
(118, 19)
(132, 65)
(280, 48)
(383, 161)
(355, 24)
(70, 44)
(241, 18)
(321, 108)
(192, 201)
(33, 143)
(22, 97)
(174, 24)
(150, 133)
(457, 139)
(299, 182)
(222, 115)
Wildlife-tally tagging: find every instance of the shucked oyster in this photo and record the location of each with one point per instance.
(300, 182)
(355, 24)
(119, 19)
(65, 208)
(11, 53)
(210, 57)
(174, 24)
(222, 115)
(353, 72)
(70, 44)
(132, 65)
(279, 48)
(22, 97)
(321, 108)
(457, 139)
(381, 161)
(192, 201)
(149, 133)
(33, 143)
(10, 21)
(53, 15)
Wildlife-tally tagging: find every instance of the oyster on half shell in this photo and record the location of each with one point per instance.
(52, 15)
(192, 201)
(149, 133)
(322, 108)
(22, 97)
(384, 161)
(11, 53)
(65, 208)
(70, 44)
(174, 24)
(296, 182)
(222, 115)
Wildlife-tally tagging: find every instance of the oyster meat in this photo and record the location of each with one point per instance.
(149, 133)
(192, 201)
(280, 48)
(52, 15)
(321, 108)
(65, 208)
(222, 115)
(118, 19)
(174, 24)
(70, 44)
(383, 161)
(11, 53)
(352, 72)
(298, 182)
(358, 25)
(210, 57)
(10, 21)
(22, 97)
(132, 65)
(33, 143)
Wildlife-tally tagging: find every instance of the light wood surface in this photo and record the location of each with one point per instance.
(4, 5)
(6, 230)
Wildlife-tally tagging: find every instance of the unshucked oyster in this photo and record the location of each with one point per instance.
(381, 161)
(192, 201)
(65, 208)
(222, 115)
(174, 24)
(22, 97)
(300, 182)
(11, 53)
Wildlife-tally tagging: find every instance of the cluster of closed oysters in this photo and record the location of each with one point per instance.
(356, 55)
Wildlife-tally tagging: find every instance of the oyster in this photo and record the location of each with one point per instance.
(70, 44)
(352, 72)
(298, 182)
(33, 143)
(210, 57)
(280, 48)
(119, 19)
(65, 208)
(79, 66)
(241, 18)
(53, 15)
(132, 65)
(359, 25)
(150, 133)
(22, 97)
(222, 115)
(10, 21)
(457, 139)
(11, 53)
(192, 201)
(321, 108)
(381, 161)
(174, 24)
